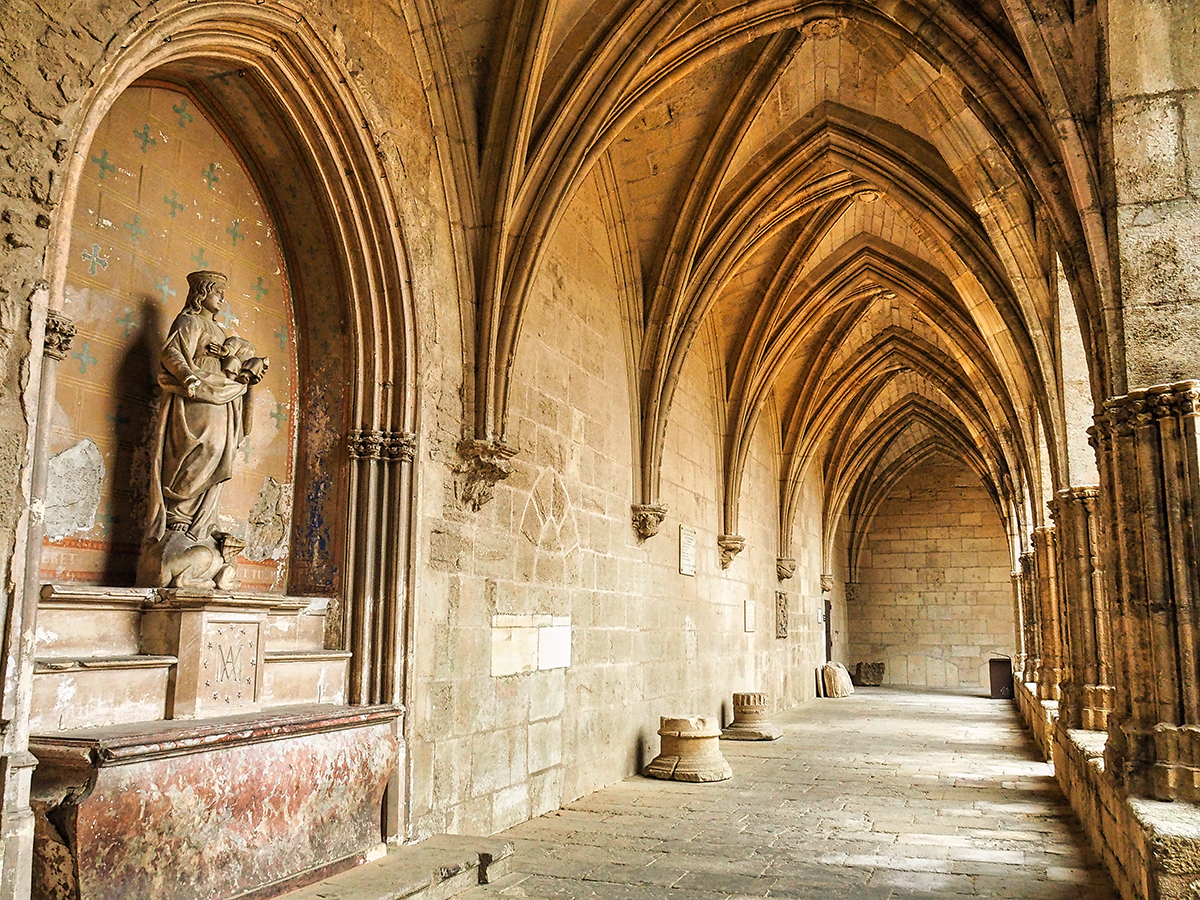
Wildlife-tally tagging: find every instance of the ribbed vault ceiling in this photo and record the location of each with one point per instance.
(862, 201)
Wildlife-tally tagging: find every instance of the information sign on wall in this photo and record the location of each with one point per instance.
(687, 550)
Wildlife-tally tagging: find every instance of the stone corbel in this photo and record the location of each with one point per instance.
(826, 582)
(851, 591)
(60, 331)
(785, 567)
(648, 518)
(485, 464)
(731, 545)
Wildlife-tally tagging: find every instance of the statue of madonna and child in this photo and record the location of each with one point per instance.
(207, 378)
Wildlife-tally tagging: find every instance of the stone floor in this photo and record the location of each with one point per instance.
(890, 793)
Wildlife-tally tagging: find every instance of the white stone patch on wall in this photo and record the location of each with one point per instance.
(73, 489)
(527, 643)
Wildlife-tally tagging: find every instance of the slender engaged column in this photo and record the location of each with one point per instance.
(1087, 692)
(1029, 621)
(1147, 453)
(1019, 619)
(1049, 613)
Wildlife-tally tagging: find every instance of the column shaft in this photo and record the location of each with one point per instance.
(1146, 449)
(1087, 692)
(1049, 613)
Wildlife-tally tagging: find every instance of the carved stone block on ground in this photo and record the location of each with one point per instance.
(750, 722)
(868, 674)
(836, 680)
(690, 751)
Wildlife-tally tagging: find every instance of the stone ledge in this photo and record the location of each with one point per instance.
(116, 745)
(1151, 848)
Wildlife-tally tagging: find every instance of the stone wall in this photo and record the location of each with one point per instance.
(504, 733)
(935, 601)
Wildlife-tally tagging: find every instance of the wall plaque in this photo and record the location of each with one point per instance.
(687, 550)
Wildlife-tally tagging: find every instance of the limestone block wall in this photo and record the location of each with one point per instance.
(505, 730)
(935, 601)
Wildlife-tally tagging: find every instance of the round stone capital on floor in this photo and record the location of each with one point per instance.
(750, 722)
(690, 750)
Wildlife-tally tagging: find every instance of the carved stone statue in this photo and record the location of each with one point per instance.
(206, 377)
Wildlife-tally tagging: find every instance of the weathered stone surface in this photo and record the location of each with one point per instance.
(836, 680)
(691, 751)
(869, 674)
(750, 720)
(73, 489)
(238, 806)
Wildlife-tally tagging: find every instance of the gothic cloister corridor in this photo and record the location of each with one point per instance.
(408, 405)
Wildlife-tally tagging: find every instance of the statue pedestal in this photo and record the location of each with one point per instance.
(219, 643)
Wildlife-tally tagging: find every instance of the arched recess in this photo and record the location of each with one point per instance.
(287, 105)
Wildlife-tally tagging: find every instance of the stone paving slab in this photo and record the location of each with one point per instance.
(890, 794)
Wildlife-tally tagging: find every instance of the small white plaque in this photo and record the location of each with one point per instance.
(749, 615)
(687, 550)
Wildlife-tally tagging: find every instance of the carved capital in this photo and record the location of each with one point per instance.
(485, 464)
(1026, 559)
(851, 591)
(1138, 409)
(1080, 492)
(648, 518)
(382, 445)
(826, 582)
(785, 567)
(400, 445)
(731, 545)
(60, 331)
(366, 444)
